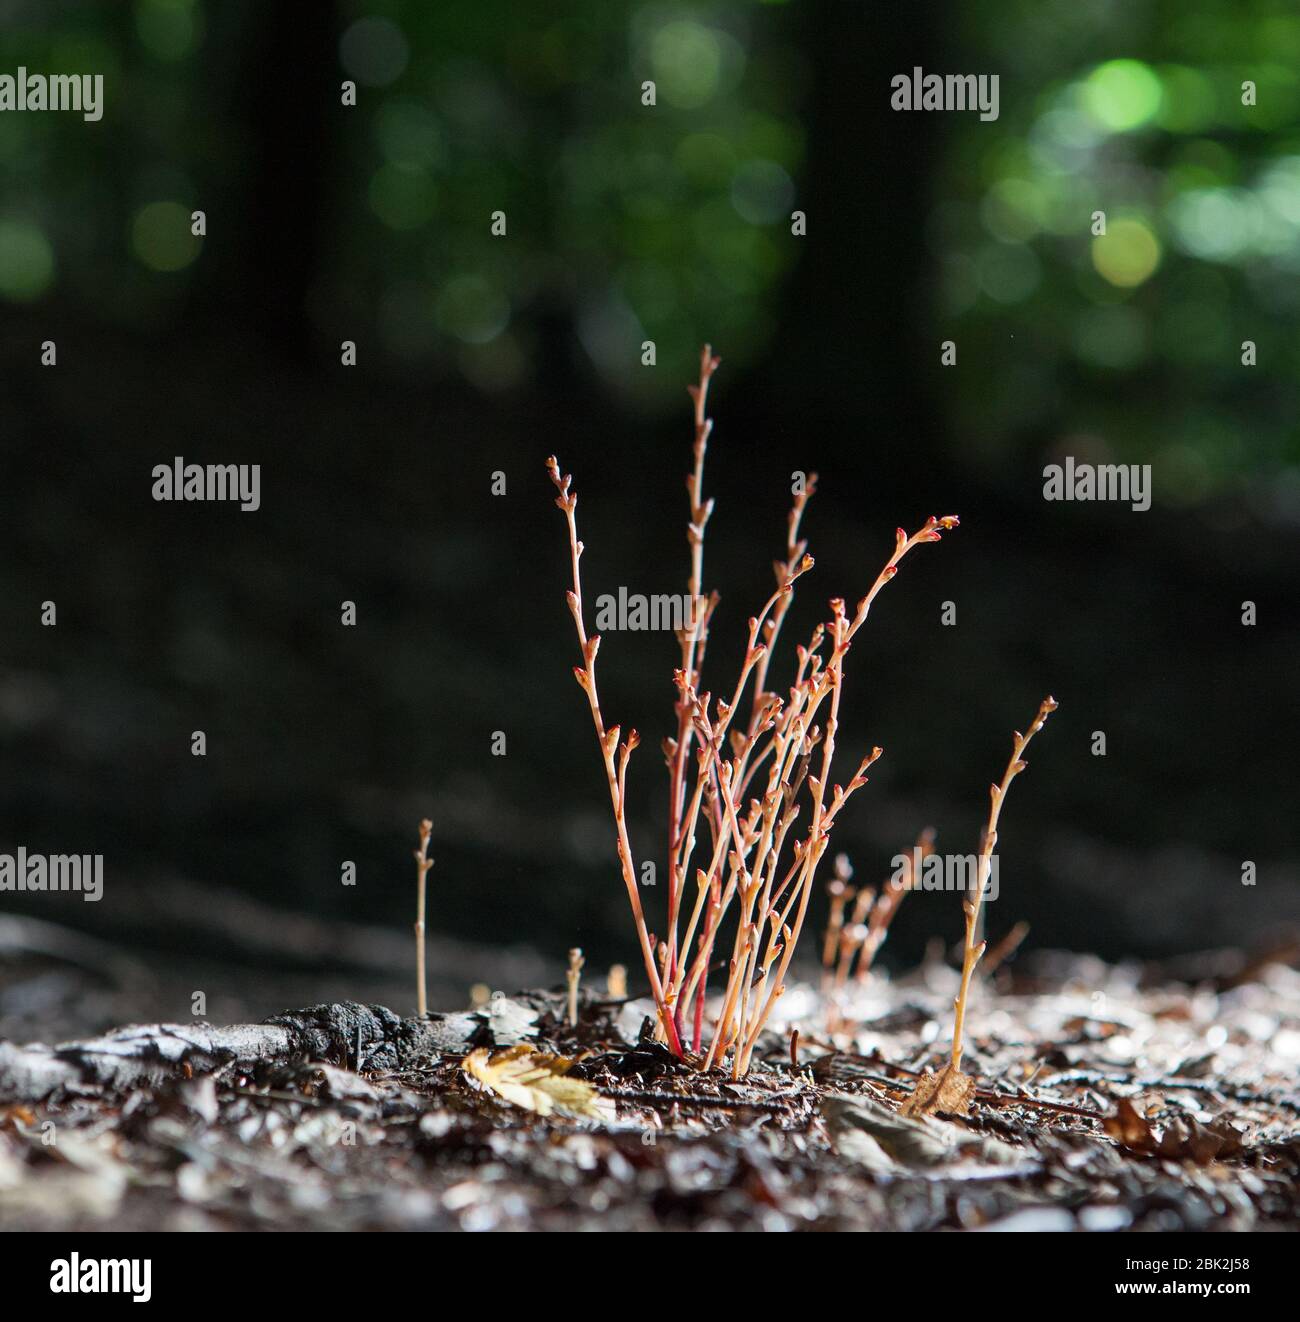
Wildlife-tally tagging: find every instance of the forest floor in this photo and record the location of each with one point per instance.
(1107, 1099)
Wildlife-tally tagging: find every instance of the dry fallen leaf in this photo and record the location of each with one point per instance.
(535, 1080)
(1129, 1128)
(1229, 1140)
(950, 1092)
(1181, 1138)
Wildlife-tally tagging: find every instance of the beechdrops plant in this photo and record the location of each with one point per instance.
(746, 781)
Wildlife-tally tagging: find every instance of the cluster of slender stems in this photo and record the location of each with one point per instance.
(741, 780)
(857, 934)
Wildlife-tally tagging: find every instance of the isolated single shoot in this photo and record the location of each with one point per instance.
(743, 780)
(573, 977)
(950, 1090)
(997, 797)
(422, 865)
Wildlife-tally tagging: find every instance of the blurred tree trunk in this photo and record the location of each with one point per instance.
(286, 89)
(864, 186)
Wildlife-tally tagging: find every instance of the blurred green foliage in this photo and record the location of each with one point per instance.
(1129, 344)
(635, 222)
(671, 223)
(667, 222)
(98, 214)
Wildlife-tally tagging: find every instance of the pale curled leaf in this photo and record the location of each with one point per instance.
(536, 1081)
(950, 1092)
(510, 1022)
(864, 1131)
(883, 1141)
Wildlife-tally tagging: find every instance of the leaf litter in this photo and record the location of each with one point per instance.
(1094, 1098)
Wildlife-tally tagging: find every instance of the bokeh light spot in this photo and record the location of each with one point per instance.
(402, 196)
(410, 134)
(374, 51)
(1213, 223)
(687, 62)
(1127, 254)
(26, 261)
(762, 192)
(472, 310)
(1012, 210)
(161, 237)
(1122, 94)
(168, 29)
(1281, 189)
(1008, 272)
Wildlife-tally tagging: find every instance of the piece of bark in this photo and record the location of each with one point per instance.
(357, 1037)
(144, 1053)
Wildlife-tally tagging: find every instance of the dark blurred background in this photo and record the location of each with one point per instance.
(478, 354)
